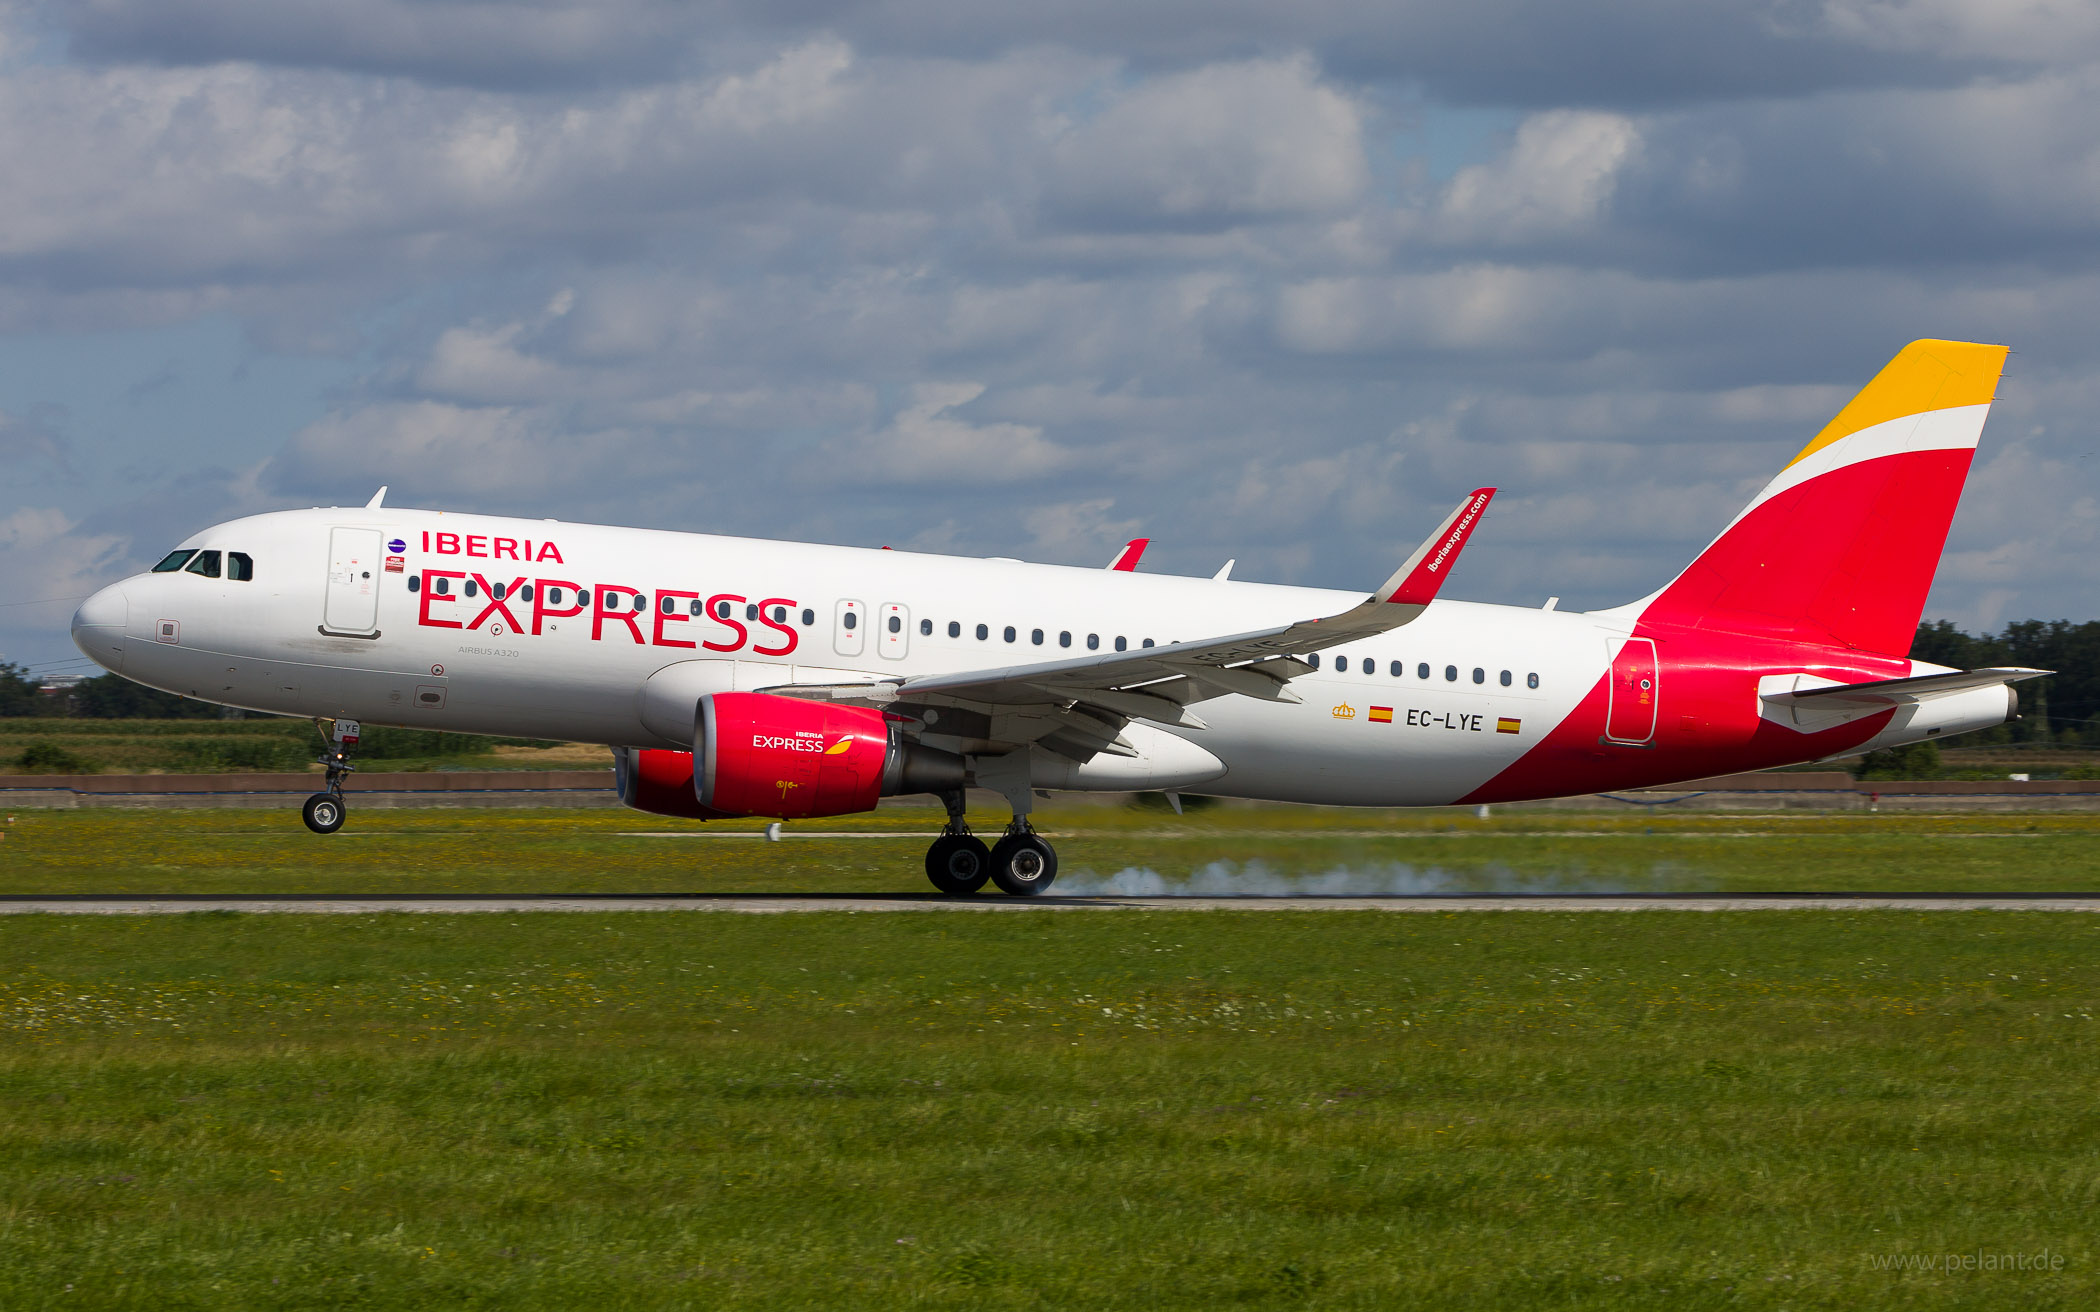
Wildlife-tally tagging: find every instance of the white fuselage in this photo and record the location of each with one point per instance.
(308, 636)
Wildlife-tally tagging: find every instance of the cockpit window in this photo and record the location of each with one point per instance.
(239, 567)
(175, 560)
(206, 563)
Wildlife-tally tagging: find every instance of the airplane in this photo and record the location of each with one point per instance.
(745, 677)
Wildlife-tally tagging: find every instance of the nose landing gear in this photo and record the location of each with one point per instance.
(324, 811)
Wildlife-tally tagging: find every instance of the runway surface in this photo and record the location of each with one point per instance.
(762, 903)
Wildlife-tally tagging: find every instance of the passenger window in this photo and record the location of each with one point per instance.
(1450, 674)
(1505, 678)
(1479, 675)
(442, 587)
(583, 596)
(496, 591)
(1036, 636)
(415, 583)
(1064, 639)
(983, 633)
(206, 564)
(174, 560)
(1398, 669)
(852, 619)
(469, 588)
(1146, 643)
(1313, 660)
(925, 628)
(896, 624)
(1093, 642)
(239, 567)
(780, 613)
(954, 629)
(669, 604)
(1009, 633)
(692, 607)
(1531, 680)
(1122, 643)
(526, 592)
(751, 611)
(554, 599)
(809, 617)
(1422, 670)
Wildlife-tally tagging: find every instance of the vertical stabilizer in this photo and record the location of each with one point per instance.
(1841, 547)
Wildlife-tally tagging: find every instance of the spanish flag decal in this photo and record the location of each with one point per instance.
(1381, 715)
(1507, 725)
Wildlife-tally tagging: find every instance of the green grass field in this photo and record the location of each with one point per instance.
(571, 851)
(1119, 1109)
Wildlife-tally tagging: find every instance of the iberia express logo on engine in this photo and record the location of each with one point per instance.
(803, 740)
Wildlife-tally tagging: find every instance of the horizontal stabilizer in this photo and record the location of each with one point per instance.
(1896, 692)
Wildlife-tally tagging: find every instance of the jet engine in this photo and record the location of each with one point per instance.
(759, 754)
(659, 782)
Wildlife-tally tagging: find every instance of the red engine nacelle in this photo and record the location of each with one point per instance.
(659, 782)
(758, 754)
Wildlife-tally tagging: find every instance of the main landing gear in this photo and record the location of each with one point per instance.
(959, 863)
(324, 811)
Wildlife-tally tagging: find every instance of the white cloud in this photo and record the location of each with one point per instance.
(1556, 180)
(1226, 142)
(926, 445)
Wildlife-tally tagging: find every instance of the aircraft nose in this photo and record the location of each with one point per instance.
(98, 626)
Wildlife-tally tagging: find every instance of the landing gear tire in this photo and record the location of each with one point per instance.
(1024, 865)
(323, 813)
(958, 864)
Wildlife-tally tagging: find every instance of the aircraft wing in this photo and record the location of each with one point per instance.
(1078, 707)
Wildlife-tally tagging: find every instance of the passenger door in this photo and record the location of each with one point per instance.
(352, 606)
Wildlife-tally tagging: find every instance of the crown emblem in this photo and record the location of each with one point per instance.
(1344, 712)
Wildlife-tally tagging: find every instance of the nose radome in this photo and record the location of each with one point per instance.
(98, 626)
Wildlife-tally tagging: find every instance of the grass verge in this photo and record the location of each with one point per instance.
(572, 851)
(1091, 1110)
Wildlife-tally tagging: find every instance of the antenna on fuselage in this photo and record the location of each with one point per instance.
(377, 497)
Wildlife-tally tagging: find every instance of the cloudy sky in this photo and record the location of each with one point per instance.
(1266, 281)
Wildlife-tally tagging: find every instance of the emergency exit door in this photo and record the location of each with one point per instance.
(352, 606)
(893, 639)
(1630, 717)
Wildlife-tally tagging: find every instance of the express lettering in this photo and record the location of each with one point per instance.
(780, 743)
(614, 607)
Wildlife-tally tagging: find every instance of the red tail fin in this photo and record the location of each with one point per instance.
(1841, 547)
